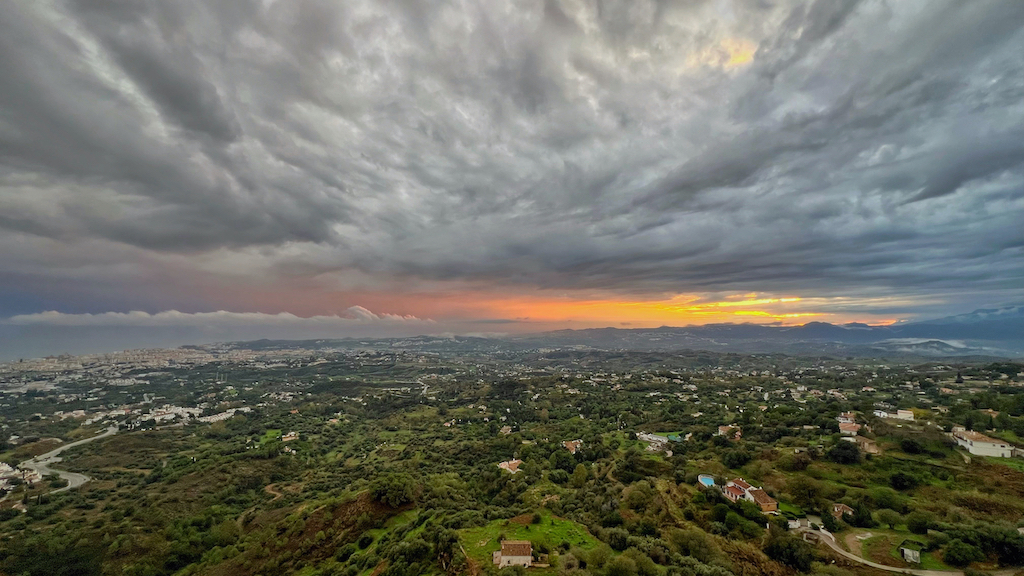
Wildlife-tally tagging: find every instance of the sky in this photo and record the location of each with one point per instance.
(175, 170)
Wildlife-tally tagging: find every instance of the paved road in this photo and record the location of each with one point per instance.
(42, 462)
(830, 541)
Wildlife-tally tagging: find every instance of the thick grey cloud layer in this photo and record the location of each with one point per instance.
(179, 148)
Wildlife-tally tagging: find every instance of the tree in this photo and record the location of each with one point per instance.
(806, 491)
(889, 517)
(789, 550)
(844, 453)
(579, 476)
(918, 522)
(617, 538)
(903, 481)
(393, 489)
(959, 553)
(830, 523)
(861, 516)
(621, 566)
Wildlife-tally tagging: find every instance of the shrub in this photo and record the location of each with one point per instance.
(789, 550)
(959, 553)
(918, 522)
(844, 453)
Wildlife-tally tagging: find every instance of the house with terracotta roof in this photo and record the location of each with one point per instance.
(731, 432)
(739, 489)
(740, 483)
(572, 445)
(867, 445)
(839, 510)
(514, 553)
(734, 493)
(511, 466)
(766, 503)
(849, 428)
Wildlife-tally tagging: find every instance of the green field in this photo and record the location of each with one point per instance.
(482, 541)
(270, 435)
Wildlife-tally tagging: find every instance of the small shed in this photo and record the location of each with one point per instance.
(911, 550)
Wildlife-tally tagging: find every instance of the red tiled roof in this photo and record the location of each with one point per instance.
(761, 497)
(516, 548)
(742, 483)
(737, 492)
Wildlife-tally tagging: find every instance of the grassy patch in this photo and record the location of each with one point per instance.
(1015, 463)
(787, 508)
(480, 543)
(270, 435)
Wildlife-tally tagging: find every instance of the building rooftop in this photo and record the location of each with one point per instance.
(978, 437)
(516, 548)
(761, 497)
(741, 483)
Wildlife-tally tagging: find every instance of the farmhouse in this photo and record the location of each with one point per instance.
(849, 428)
(839, 510)
(514, 553)
(511, 466)
(981, 445)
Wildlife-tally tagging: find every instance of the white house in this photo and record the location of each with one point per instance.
(981, 445)
(514, 553)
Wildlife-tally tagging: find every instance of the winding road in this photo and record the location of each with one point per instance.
(830, 541)
(42, 462)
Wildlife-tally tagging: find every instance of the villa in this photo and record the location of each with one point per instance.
(739, 489)
(982, 445)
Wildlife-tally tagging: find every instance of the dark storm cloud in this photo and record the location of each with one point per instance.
(644, 147)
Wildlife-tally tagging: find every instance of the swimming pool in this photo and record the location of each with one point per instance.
(706, 480)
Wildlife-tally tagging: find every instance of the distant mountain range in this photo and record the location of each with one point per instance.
(982, 333)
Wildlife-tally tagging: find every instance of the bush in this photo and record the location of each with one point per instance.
(918, 522)
(844, 453)
(621, 566)
(393, 489)
(903, 481)
(789, 550)
(959, 553)
(617, 538)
